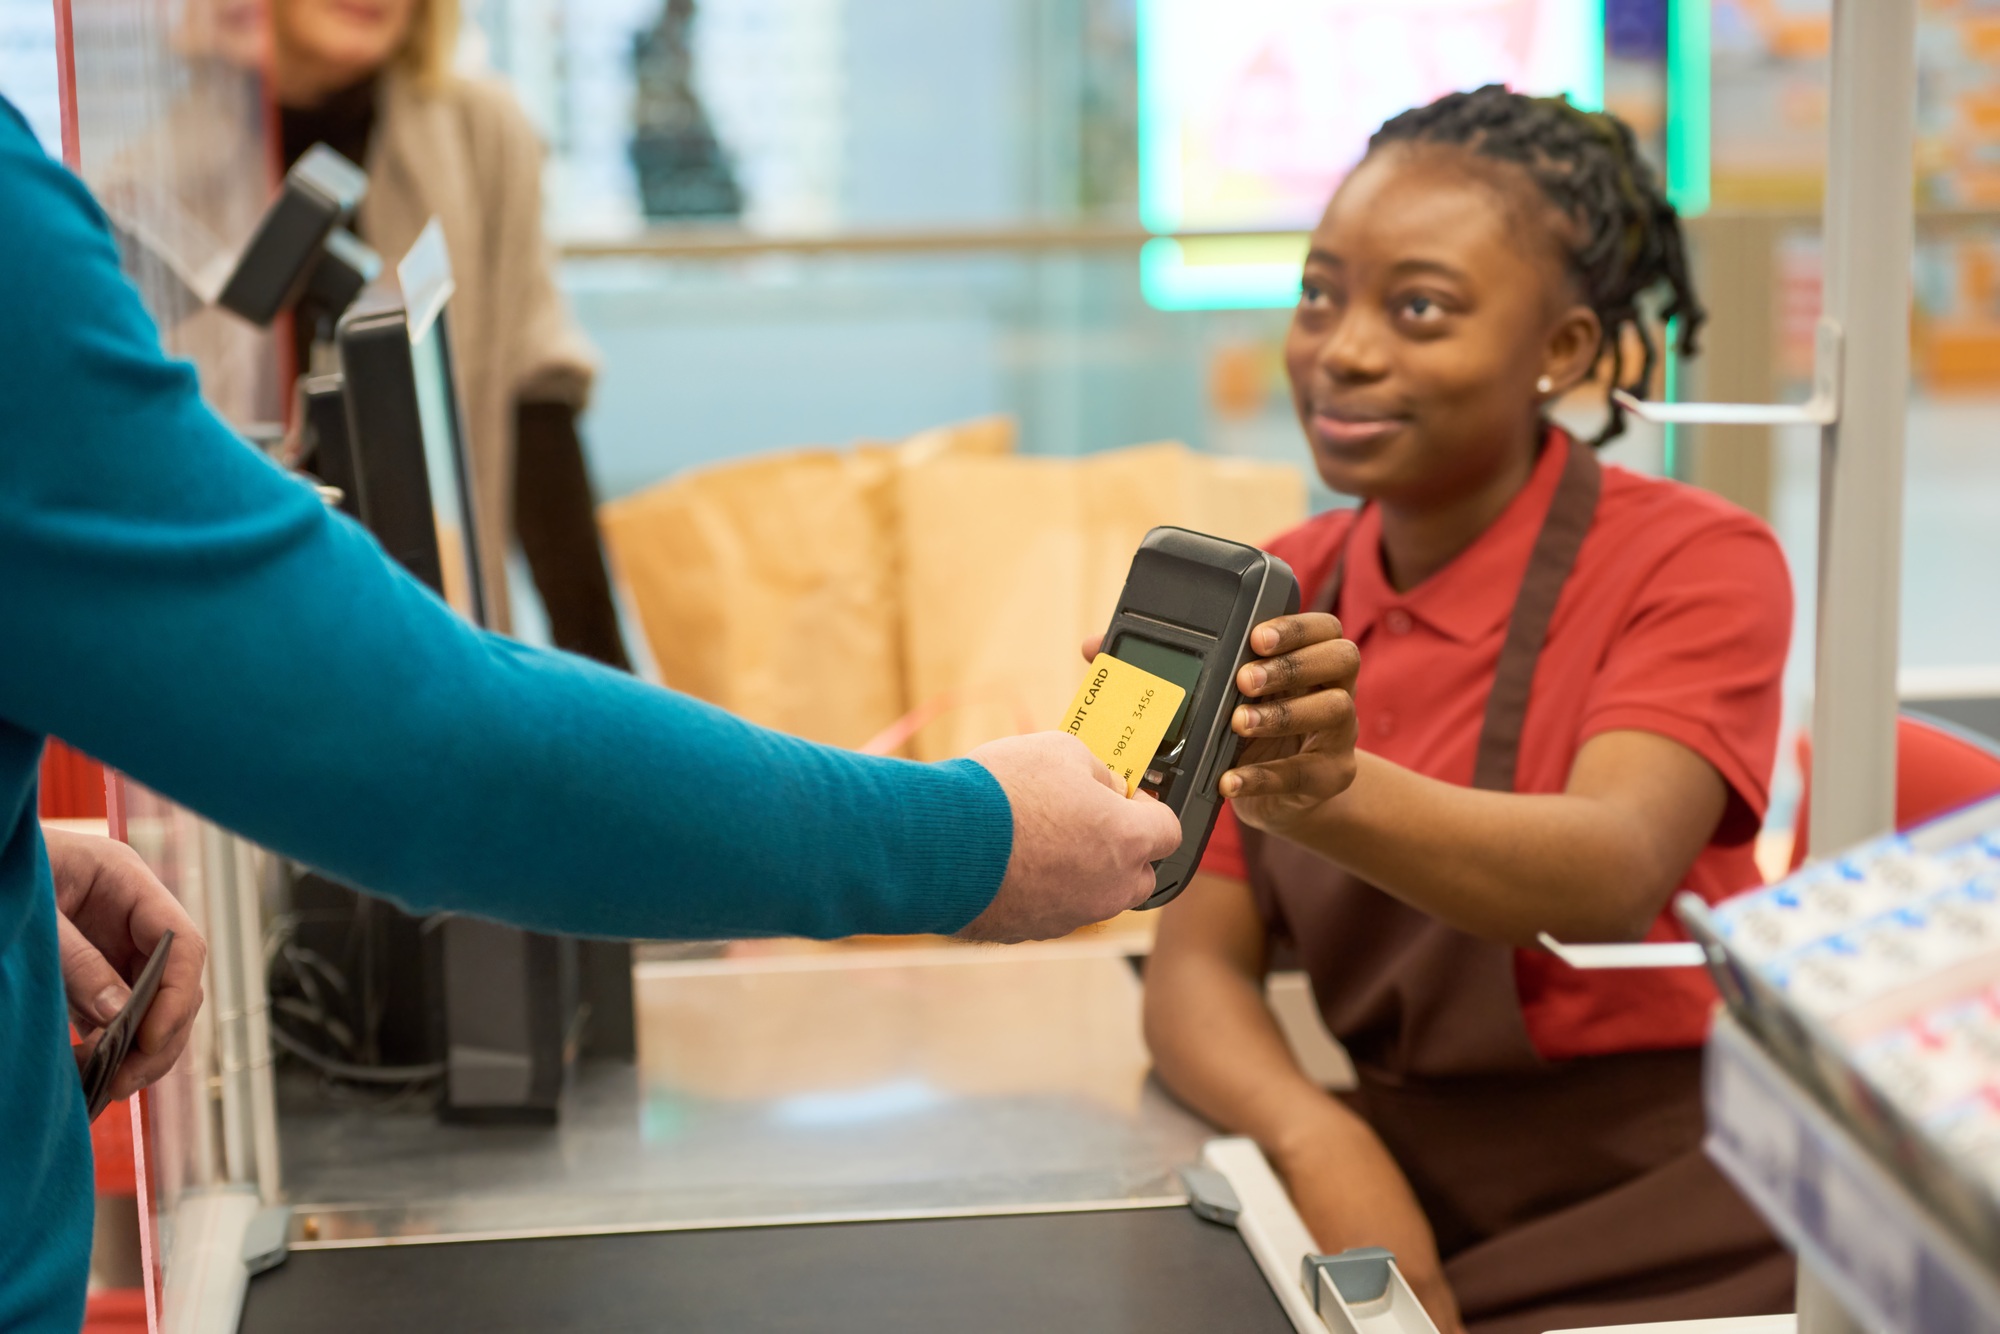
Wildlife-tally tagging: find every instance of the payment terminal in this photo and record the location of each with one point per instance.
(1186, 614)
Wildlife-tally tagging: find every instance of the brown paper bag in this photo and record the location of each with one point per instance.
(771, 586)
(1008, 563)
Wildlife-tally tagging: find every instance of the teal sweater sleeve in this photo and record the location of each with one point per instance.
(182, 609)
(171, 602)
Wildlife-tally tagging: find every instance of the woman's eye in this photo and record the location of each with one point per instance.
(1311, 294)
(1421, 307)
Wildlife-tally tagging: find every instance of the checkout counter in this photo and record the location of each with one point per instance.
(879, 1139)
(891, 1139)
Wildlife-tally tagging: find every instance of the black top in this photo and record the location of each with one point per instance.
(344, 122)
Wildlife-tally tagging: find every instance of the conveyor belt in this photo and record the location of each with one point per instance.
(1156, 1271)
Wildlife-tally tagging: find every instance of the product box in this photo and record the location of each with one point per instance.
(1875, 978)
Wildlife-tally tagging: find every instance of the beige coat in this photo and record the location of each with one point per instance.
(466, 154)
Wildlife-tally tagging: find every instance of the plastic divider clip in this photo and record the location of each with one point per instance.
(1361, 1291)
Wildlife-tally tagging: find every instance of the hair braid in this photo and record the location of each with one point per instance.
(1626, 237)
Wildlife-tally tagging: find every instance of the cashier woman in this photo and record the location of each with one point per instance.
(1566, 708)
(176, 605)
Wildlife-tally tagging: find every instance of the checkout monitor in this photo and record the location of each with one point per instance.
(496, 1006)
(408, 438)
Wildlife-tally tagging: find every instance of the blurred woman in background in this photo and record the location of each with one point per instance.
(372, 80)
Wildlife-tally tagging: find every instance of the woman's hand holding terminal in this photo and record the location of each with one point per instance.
(1297, 720)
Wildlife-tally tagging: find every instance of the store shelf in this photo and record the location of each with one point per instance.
(1892, 1263)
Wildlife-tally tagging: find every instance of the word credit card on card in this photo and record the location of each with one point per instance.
(1122, 712)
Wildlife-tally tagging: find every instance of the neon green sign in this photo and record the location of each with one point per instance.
(1251, 112)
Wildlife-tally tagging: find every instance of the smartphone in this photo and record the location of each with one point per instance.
(119, 1035)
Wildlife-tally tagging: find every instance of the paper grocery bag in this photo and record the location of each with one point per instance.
(983, 437)
(771, 587)
(1008, 563)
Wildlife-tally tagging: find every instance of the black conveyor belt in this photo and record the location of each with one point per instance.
(1142, 1271)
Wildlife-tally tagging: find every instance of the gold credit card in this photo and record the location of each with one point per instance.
(1122, 714)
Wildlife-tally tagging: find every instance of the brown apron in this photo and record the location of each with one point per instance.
(1562, 1194)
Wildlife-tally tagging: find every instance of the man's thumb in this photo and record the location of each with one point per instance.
(1163, 827)
(95, 990)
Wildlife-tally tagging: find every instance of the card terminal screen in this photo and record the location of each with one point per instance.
(1176, 665)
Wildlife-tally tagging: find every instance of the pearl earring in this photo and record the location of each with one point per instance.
(1545, 385)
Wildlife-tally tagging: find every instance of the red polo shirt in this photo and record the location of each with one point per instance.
(1675, 621)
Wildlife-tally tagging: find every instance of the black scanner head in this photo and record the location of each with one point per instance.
(301, 244)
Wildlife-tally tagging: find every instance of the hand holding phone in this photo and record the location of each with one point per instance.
(113, 916)
(115, 1043)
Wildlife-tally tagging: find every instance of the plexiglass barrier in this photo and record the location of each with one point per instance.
(167, 124)
(172, 137)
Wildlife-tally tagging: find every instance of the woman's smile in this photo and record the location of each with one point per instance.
(365, 12)
(1344, 430)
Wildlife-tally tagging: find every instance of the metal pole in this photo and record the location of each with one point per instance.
(1869, 241)
(1869, 238)
(225, 970)
(255, 869)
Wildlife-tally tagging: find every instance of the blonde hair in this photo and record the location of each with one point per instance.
(427, 52)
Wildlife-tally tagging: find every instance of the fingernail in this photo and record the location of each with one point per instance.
(1229, 784)
(108, 1002)
(1248, 718)
(1257, 678)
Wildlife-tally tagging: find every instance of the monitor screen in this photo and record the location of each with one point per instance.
(445, 470)
(412, 466)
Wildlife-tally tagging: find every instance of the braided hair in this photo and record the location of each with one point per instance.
(1625, 238)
